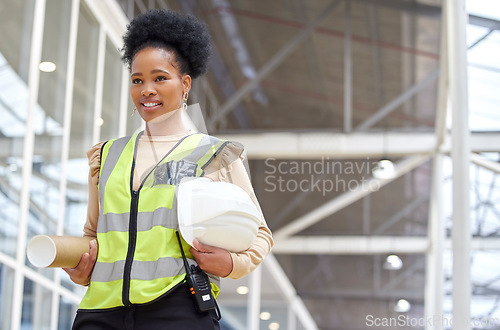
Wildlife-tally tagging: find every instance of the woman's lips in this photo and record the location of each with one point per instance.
(150, 106)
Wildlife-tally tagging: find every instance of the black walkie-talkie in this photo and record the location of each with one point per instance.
(199, 285)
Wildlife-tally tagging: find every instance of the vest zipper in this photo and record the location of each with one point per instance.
(132, 240)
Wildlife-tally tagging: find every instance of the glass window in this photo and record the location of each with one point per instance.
(36, 306)
(45, 194)
(6, 288)
(67, 312)
(111, 93)
(82, 121)
(16, 17)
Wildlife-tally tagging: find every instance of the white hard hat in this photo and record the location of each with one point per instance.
(220, 214)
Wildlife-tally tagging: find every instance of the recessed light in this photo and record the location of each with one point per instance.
(393, 262)
(265, 316)
(47, 66)
(402, 306)
(242, 290)
(384, 170)
(274, 326)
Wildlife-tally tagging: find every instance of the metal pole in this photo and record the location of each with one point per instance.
(66, 139)
(460, 152)
(434, 291)
(293, 300)
(101, 55)
(28, 148)
(253, 309)
(124, 110)
(291, 319)
(347, 70)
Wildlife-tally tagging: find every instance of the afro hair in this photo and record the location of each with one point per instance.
(183, 34)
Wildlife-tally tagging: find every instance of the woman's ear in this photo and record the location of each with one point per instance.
(186, 82)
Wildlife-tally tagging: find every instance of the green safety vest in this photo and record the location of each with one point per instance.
(139, 258)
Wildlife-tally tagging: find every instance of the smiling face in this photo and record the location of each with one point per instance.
(157, 84)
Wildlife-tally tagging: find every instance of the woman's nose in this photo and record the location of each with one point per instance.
(147, 91)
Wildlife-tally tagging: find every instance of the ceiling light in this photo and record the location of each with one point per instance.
(265, 316)
(242, 290)
(384, 170)
(393, 262)
(274, 326)
(47, 66)
(402, 306)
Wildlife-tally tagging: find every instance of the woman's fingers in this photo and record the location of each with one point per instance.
(82, 272)
(212, 259)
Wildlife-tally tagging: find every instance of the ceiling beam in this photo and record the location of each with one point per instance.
(401, 214)
(345, 199)
(485, 162)
(395, 103)
(312, 145)
(219, 68)
(356, 245)
(309, 145)
(409, 6)
(293, 300)
(319, 145)
(431, 11)
(489, 23)
(369, 245)
(270, 65)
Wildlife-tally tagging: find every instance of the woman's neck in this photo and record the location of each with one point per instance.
(168, 124)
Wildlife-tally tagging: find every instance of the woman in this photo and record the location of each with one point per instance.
(138, 276)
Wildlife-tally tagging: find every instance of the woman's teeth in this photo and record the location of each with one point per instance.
(148, 105)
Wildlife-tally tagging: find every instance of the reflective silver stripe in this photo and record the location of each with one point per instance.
(145, 220)
(163, 267)
(160, 217)
(115, 150)
(213, 156)
(114, 153)
(144, 270)
(105, 272)
(204, 145)
(141, 270)
(113, 222)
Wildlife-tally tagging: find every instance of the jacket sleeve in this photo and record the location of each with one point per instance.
(229, 166)
(94, 157)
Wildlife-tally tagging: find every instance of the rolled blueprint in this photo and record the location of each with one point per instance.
(57, 251)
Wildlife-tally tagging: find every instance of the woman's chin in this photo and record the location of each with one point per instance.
(153, 118)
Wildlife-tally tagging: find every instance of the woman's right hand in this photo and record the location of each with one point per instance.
(82, 272)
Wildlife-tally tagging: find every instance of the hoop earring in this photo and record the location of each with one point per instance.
(184, 101)
(133, 111)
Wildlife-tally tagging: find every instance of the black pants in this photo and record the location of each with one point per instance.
(174, 311)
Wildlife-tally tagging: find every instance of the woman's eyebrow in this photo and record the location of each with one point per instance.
(152, 71)
(160, 70)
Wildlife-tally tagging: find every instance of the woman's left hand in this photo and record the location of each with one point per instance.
(212, 259)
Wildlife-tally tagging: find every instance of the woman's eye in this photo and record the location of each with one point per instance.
(161, 78)
(136, 81)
